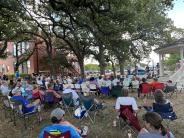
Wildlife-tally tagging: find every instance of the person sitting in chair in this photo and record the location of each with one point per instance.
(153, 127)
(60, 126)
(154, 83)
(27, 106)
(125, 100)
(140, 86)
(75, 96)
(158, 99)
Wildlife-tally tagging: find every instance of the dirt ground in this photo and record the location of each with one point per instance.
(102, 128)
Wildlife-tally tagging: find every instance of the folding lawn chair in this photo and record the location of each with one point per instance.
(130, 119)
(7, 107)
(165, 111)
(170, 90)
(28, 94)
(159, 86)
(88, 103)
(77, 87)
(62, 135)
(116, 91)
(68, 102)
(18, 109)
(48, 99)
(93, 89)
(146, 89)
(105, 90)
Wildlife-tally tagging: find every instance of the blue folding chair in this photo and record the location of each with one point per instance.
(19, 109)
(88, 103)
(165, 111)
(28, 94)
(170, 90)
(68, 102)
(48, 100)
(105, 90)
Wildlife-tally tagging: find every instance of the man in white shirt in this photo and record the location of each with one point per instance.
(4, 88)
(126, 81)
(126, 100)
(75, 96)
(115, 81)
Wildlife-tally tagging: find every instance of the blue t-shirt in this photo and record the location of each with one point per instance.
(155, 135)
(60, 128)
(24, 103)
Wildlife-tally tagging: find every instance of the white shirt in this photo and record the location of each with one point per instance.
(4, 89)
(69, 81)
(115, 81)
(75, 96)
(126, 82)
(84, 87)
(126, 101)
(100, 82)
(39, 82)
(108, 83)
(135, 84)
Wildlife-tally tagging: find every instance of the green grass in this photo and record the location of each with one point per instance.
(101, 129)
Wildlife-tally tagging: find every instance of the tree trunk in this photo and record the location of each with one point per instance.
(50, 55)
(52, 69)
(102, 60)
(121, 66)
(113, 68)
(81, 64)
(16, 67)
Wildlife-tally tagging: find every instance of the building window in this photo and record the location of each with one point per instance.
(28, 64)
(22, 47)
(14, 50)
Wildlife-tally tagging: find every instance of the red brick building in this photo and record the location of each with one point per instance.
(7, 65)
(33, 65)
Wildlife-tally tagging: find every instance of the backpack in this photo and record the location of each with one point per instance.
(80, 112)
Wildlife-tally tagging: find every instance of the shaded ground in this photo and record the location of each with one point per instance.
(102, 127)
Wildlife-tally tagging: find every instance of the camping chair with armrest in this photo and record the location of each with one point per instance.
(62, 135)
(7, 107)
(28, 94)
(48, 99)
(105, 90)
(170, 90)
(130, 119)
(116, 91)
(88, 103)
(77, 88)
(18, 110)
(165, 111)
(93, 89)
(159, 86)
(146, 89)
(68, 102)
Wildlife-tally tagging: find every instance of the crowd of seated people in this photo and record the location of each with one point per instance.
(19, 90)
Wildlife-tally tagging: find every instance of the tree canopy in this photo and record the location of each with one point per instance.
(125, 30)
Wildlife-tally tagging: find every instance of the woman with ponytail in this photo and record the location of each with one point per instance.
(153, 127)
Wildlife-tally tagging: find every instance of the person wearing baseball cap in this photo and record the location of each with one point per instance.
(27, 106)
(60, 126)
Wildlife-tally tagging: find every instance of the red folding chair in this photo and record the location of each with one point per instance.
(146, 88)
(159, 86)
(63, 135)
(126, 113)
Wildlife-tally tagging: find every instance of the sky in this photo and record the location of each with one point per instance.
(176, 14)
